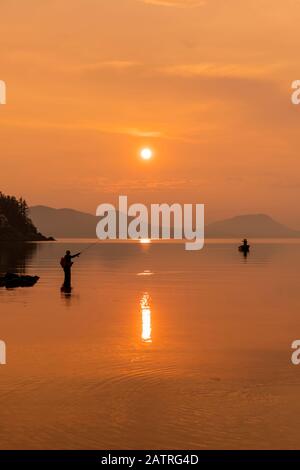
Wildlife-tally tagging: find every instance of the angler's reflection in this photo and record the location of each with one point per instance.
(66, 292)
(146, 318)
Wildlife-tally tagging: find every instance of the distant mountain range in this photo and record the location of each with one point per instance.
(251, 226)
(69, 223)
(64, 223)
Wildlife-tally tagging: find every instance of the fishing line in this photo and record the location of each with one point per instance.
(89, 246)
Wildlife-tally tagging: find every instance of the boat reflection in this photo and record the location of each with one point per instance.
(146, 318)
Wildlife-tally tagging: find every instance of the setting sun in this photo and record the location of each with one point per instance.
(146, 154)
(145, 241)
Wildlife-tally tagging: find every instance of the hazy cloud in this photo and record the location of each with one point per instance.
(107, 186)
(176, 3)
(219, 70)
(83, 126)
(110, 64)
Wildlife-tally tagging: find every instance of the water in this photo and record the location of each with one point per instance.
(155, 347)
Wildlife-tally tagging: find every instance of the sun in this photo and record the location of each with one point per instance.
(146, 153)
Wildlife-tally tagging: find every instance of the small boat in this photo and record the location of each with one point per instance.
(244, 248)
(11, 280)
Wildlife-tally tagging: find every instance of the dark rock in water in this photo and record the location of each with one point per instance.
(11, 280)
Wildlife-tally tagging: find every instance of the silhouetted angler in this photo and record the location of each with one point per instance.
(66, 264)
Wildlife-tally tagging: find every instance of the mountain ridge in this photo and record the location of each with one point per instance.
(71, 223)
(250, 225)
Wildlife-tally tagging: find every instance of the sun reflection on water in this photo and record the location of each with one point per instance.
(146, 318)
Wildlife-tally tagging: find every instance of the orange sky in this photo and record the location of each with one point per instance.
(205, 83)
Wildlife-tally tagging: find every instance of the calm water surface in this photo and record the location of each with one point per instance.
(155, 347)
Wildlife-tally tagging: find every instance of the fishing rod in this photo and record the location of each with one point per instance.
(89, 246)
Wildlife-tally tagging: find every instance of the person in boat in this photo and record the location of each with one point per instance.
(66, 264)
(245, 243)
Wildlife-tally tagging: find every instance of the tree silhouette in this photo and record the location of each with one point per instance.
(15, 223)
